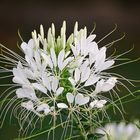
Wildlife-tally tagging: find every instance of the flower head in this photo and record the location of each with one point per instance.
(61, 75)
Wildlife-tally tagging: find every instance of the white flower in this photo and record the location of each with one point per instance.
(79, 99)
(97, 103)
(42, 76)
(62, 105)
(100, 63)
(28, 105)
(105, 86)
(119, 131)
(19, 75)
(60, 75)
(44, 107)
(51, 83)
(26, 92)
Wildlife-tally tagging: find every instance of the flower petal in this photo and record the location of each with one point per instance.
(106, 65)
(61, 59)
(55, 82)
(53, 56)
(91, 38)
(47, 59)
(81, 100)
(92, 104)
(62, 105)
(26, 93)
(70, 97)
(92, 80)
(28, 105)
(66, 61)
(85, 74)
(59, 91)
(42, 107)
(39, 87)
(77, 75)
(46, 81)
(109, 84)
(72, 81)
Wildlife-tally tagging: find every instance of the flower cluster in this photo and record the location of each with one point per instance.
(59, 73)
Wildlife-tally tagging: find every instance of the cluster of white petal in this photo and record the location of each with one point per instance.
(42, 77)
(119, 131)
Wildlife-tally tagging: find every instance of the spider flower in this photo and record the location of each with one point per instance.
(58, 75)
(41, 75)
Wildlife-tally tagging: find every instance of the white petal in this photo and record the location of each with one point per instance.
(91, 38)
(37, 58)
(31, 43)
(92, 104)
(99, 86)
(72, 81)
(59, 91)
(62, 105)
(28, 50)
(46, 81)
(39, 87)
(18, 80)
(92, 80)
(99, 105)
(109, 84)
(18, 72)
(85, 75)
(106, 65)
(28, 105)
(100, 57)
(103, 101)
(84, 66)
(47, 111)
(73, 48)
(29, 74)
(77, 62)
(26, 93)
(70, 97)
(61, 59)
(47, 59)
(53, 56)
(55, 82)
(24, 46)
(77, 75)
(66, 61)
(81, 100)
(20, 66)
(42, 107)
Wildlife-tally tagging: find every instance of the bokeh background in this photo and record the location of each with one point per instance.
(27, 15)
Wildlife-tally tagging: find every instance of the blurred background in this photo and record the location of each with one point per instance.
(28, 15)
